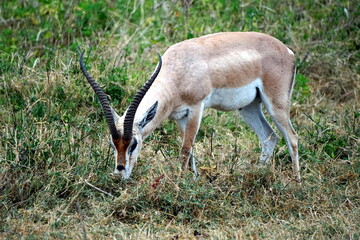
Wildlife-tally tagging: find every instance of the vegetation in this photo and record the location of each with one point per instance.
(54, 140)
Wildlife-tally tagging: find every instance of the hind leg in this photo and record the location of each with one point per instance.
(252, 114)
(284, 125)
(280, 113)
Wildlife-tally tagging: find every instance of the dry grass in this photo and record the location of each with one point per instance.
(54, 138)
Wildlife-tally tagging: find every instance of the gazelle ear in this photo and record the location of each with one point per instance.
(149, 115)
(115, 115)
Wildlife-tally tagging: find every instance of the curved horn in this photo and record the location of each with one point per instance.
(130, 114)
(103, 100)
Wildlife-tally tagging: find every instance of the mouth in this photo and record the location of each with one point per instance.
(115, 175)
(120, 174)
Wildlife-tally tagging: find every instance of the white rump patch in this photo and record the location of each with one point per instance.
(291, 52)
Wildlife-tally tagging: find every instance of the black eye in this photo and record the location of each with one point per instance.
(133, 146)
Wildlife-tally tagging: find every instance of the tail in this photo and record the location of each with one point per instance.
(292, 83)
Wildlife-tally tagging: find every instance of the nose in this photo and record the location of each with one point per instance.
(120, 168)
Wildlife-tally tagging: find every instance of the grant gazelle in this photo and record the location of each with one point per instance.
(226, 71)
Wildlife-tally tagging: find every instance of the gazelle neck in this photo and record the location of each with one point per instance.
(164, 96)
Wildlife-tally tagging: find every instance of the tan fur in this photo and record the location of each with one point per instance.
(121, 147)
(192, 69)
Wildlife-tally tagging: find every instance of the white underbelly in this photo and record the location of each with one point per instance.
(229, 99)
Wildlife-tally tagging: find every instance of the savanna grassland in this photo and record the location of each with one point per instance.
(54, 138)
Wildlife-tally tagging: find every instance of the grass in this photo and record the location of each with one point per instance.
(54, 138)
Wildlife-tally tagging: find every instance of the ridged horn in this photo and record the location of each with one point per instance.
(130, 114)
(103, 100)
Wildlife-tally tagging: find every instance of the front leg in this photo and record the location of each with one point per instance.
(189, 126)
(185, 156)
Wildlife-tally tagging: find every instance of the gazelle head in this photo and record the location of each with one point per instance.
(125, 135)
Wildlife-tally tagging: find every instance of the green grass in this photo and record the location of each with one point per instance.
(54, 138)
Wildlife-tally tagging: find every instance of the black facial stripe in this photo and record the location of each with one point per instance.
(133, 146)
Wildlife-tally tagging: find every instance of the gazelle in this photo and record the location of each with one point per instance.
(226, 71)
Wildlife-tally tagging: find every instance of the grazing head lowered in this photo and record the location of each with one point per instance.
(226, 71)
(126, 138)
